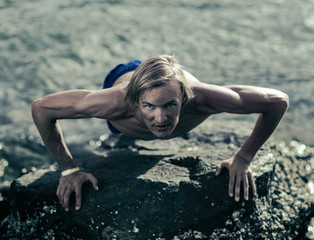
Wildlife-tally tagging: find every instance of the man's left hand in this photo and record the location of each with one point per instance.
(240, 173)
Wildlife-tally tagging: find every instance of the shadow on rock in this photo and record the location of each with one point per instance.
(165, 190)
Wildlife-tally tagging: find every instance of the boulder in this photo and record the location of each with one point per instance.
(167, 189)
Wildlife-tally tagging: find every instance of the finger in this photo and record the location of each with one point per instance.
(94, 181)
(60, 194)
(245, 187)
(218, 169)
(231, 184)
(237, 189)
(221, 166)
(78, 197)
(66, 199)
(252, 183)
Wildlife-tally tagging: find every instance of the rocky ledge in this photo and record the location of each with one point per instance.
(168, 190)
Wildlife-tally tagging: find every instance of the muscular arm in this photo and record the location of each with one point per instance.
(271, 106)
(68, 105)
(46, 111)
(269, 103)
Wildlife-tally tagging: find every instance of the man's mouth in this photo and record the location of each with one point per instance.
(161, 127)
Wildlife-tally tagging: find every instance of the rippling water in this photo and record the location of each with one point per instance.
(53, 45)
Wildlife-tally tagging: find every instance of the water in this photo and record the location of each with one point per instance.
(53, 45)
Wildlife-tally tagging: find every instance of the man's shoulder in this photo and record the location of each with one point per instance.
(106, 103)
(207, 97)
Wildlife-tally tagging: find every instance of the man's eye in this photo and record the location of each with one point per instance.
(170, 105)
(149, 106)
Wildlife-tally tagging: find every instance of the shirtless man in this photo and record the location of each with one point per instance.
(157, 99)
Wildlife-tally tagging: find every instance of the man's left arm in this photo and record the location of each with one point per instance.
(270, 103)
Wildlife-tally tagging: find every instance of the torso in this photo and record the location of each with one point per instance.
(189, 117)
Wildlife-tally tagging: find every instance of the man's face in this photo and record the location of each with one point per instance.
(160, 109)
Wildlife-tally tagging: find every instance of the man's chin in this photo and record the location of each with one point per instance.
(162, 134)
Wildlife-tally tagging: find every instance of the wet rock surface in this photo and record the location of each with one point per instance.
(168, 190)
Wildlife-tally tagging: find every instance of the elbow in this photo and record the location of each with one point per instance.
(285, 101)
(37, 109)
(36, 106)
(282, 102)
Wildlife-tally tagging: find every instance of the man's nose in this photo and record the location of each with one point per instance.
(160, 115)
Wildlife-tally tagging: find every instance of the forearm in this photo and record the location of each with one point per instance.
(56, 146)
(264, 127)
(51, 134)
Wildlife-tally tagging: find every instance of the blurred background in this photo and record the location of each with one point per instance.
(48, 46)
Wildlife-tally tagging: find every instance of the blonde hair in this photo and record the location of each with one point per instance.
(154, 72)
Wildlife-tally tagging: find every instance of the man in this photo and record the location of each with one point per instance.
(157, 99)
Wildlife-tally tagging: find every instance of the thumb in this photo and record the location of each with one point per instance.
(94, 181)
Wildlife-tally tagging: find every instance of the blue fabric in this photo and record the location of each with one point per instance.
(113, 75)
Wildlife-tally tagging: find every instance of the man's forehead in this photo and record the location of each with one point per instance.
(170, 85)
(162, 94)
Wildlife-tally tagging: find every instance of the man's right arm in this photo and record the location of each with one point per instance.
(46, 112)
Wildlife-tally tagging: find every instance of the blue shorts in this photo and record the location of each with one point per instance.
(113, 75)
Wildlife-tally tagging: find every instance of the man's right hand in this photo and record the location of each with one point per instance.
(73, 183)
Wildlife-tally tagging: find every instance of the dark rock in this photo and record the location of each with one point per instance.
(168, 190)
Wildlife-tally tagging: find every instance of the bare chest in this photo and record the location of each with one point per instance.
(133, 128)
